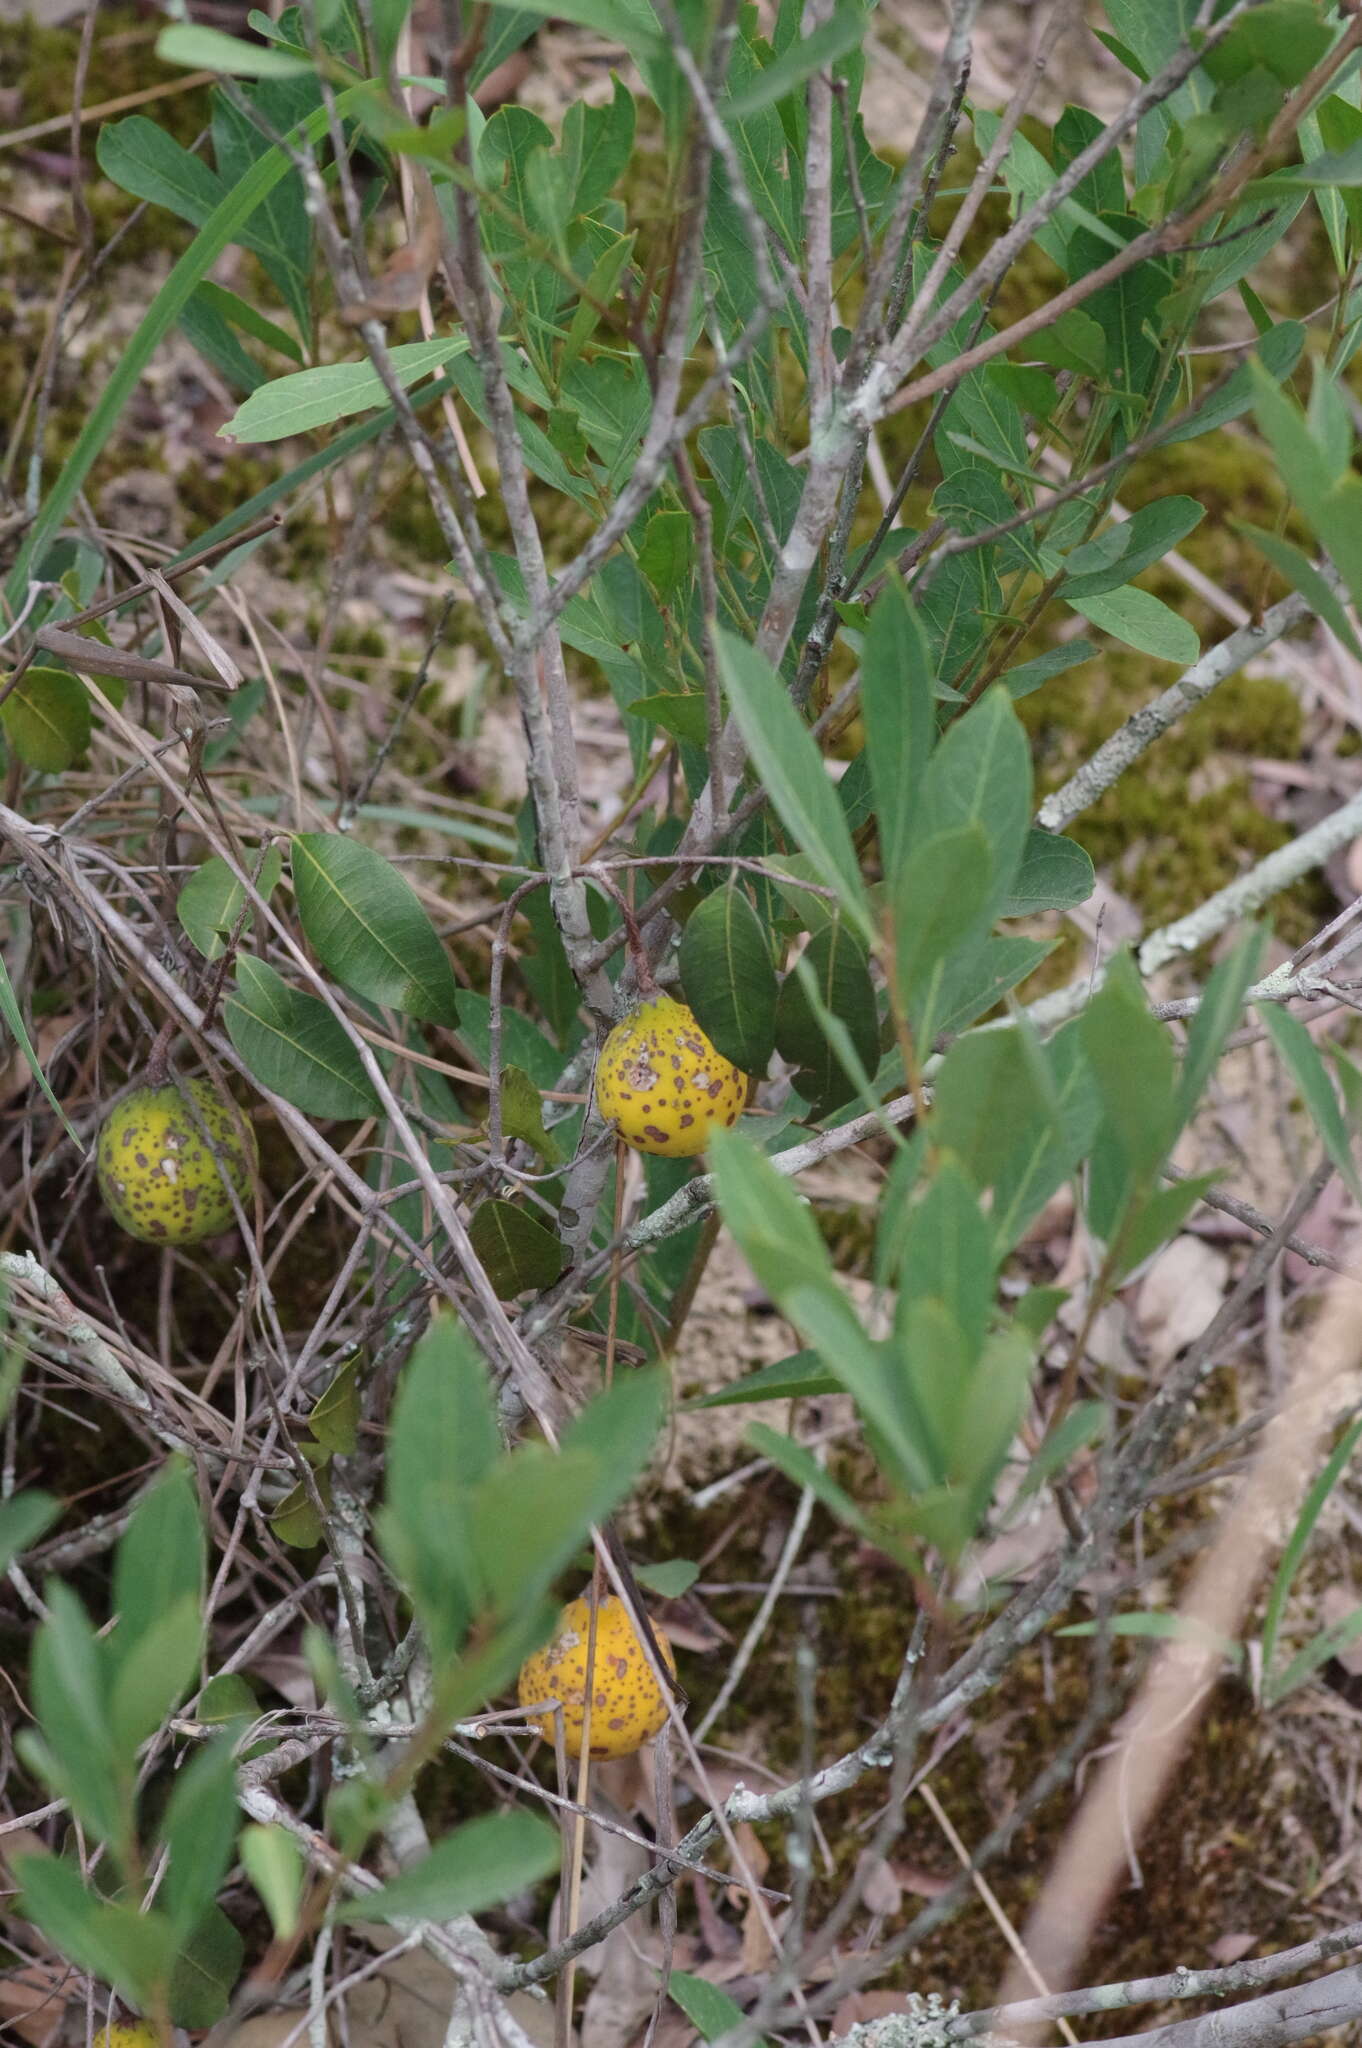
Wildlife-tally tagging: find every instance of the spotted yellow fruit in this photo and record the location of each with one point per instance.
(137, 2034)
(628, 1706)
(158, 1178)
(662, 1085)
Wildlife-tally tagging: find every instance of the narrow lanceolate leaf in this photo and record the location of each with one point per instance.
(294, 1046)
(314, 398)
(787, 1379)
(1301, 573)
(1301, 1058)
(223, 225)
(816, 51)
(729, 980)
(480, 1864)
(212, 900)
(516, 1251)
(46, 719)
(12, 1017)
(212, 49)
(22, 1521)
(1143, 621)
(980, 775)
(790, 767)
(369, 929)
(838, 963)
(941, 905)
(898, 703)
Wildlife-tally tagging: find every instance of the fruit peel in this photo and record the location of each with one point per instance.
(662, 1084)
(628, 1705)
(157, 1174)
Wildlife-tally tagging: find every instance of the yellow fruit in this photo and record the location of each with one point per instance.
(628, 1706)
(662, 1085)
(138, 2035)
(158, 1178)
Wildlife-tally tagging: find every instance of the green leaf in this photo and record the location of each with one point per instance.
(239, 312)
(1301, 573)
(681, 713)
(13, 1018)
(1299, 1054)
(205, 1972)
(898, 703)
(1055, 874)
(1131, 1060)
(981, 775)
(521, 1040)
(1018, 1116)
(1029, 675)
(791, 769)
(443, 1441)
(730, 983)
(226, 1697)
(780, 1241)
(1285, 38)
(46, 719)
(1278, 351)
(146, 161)
(1087, 1422)
(947, 1255)
(334, 1420)
(1123, 551)
(70, 1691)
(223, 225)
(1143, 621)
(1312, 1507)
(23, 1519)
(212, 900)
(211, 49)
(1157, 1218)
(516, 1250)
(1305, 468)
(294, 1046)
(1330, 1642)
(711, 2011)
(315, 398)
(669, 1580)
(522, 1114)
(667, 551)
(132, 1951)
(480, 1864)
(785, 1379)
(296, 1520)
(818, 50)
(602, 1453)
(152, 1679)
(274, 1863)
(369, 929)
(941, 900)
(1184, 1628)
(199, 1830)
(774, 1228)
(1216, 1016)
(841, 972)
(599, 141)
(803, 1468)
(159, 1561)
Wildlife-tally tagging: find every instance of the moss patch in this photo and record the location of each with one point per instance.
(1186, 823)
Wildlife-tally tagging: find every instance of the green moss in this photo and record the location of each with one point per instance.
(1167, 843)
